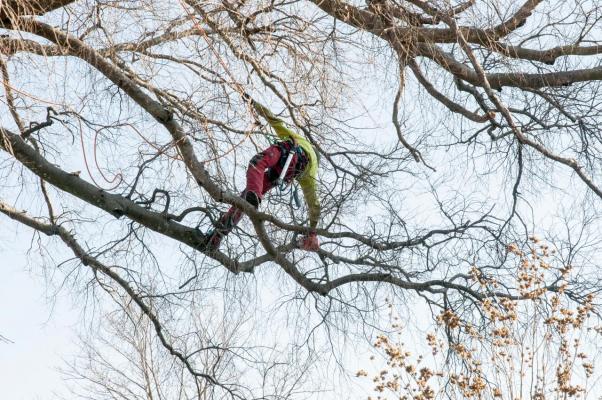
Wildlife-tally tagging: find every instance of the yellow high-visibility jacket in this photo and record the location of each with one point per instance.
(307, 180)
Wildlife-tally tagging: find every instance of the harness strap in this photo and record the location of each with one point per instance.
(287, 148)
(284, 170)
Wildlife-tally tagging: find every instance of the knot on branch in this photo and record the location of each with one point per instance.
(165, 116)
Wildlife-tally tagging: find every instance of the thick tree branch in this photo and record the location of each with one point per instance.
(112, 203)
(451, 105)
(11, 10)
(513, 79)
(522, 138)
(97, 266)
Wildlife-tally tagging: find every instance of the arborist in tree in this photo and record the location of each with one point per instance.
(292, 158)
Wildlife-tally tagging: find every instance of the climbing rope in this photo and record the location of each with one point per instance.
(118, 177)
(237, 87)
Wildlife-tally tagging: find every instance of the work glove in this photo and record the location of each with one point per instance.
(309, 242)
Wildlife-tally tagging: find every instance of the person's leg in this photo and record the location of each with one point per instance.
(230, 218)
(258, 183)
(256, 173)
(269, 180)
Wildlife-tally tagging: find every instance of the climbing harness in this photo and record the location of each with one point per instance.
(288, 149)
(280, 182)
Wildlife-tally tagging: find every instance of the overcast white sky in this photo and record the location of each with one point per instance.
(43, 333)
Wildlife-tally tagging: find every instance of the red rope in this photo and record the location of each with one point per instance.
(117, 176)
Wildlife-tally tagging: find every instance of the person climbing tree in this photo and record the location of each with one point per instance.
(264, 172)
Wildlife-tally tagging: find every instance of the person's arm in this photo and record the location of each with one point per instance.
(265, 112)
(309, 187)
(310, 242)
(279, 125)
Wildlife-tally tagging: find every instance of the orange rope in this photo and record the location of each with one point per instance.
(118, 175)
(154, 146)
(34, 97)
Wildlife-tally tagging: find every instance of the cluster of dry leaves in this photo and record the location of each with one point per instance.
(532, 344)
